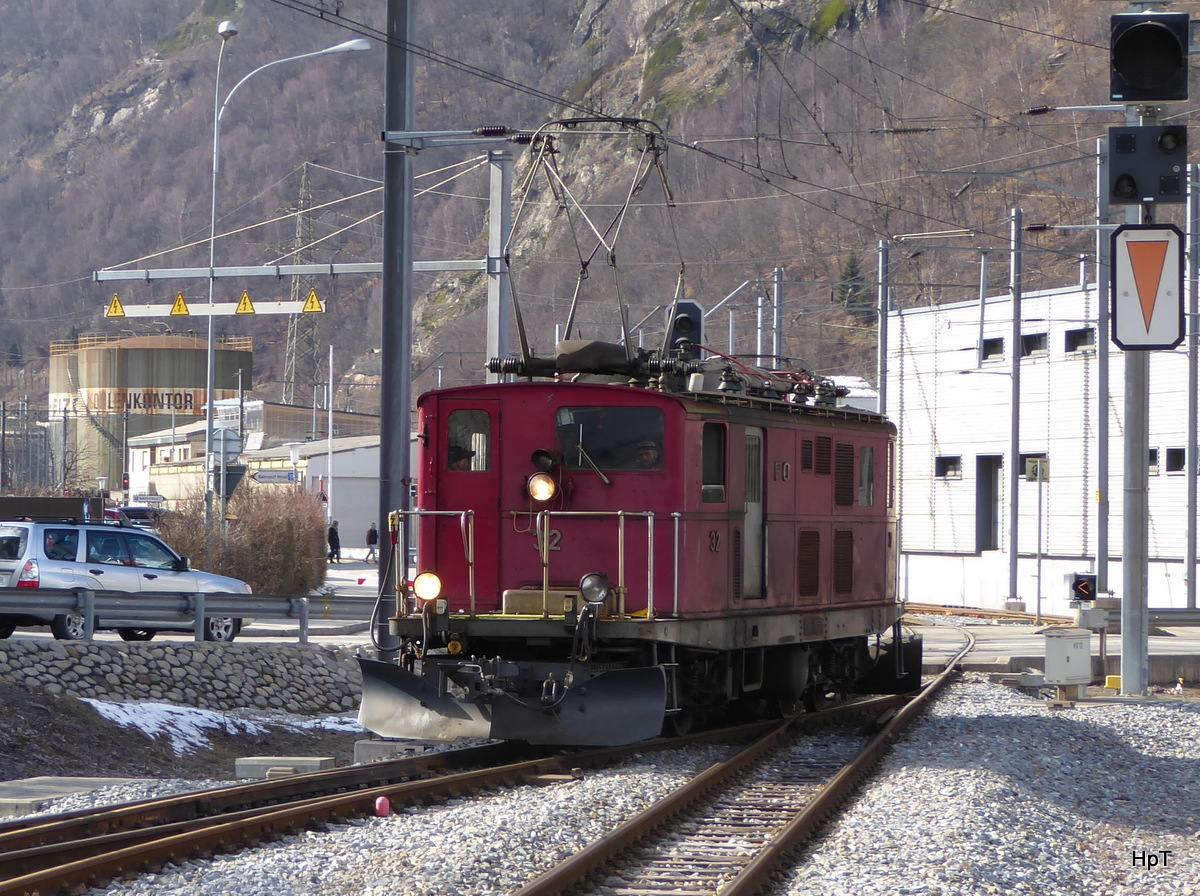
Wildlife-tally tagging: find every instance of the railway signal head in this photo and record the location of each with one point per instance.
(1149, 57)
(1083, 587)
(1147, 164)
(685, 331)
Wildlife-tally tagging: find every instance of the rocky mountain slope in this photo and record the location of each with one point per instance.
(800, 134)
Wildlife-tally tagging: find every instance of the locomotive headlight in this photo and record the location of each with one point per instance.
(542, 487)
(427, 586)
(542, 460)
(595, 588)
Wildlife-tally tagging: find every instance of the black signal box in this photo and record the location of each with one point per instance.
(1147, 164)
(1149, 57)
(1083, 586)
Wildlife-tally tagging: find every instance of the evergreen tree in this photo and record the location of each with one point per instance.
(851, 292)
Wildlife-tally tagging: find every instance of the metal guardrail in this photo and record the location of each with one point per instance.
(179, 609)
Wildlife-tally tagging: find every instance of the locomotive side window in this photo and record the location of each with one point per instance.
(611, 438)
(713, 463)
(866, 476)
(891, 474)
(469, 441)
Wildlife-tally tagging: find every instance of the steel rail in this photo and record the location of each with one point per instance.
(942, 610)
(572, 872)
(90, 846)
(26, 833)
(765, 864)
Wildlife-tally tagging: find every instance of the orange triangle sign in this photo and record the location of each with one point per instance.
(1147, 257)
(115, 308)
(245, 306)
(180, 307)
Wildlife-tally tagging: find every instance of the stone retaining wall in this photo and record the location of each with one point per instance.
(292, 677)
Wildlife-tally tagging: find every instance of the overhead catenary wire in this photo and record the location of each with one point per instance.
(758, 171)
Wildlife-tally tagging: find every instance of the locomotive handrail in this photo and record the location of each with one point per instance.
(678, 518)
(466, 526)
(543, 529)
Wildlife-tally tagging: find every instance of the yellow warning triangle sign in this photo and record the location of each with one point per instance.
(245, 306)
(115, 309)
(312, 305)
(180, 307)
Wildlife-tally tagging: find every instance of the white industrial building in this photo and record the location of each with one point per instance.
(949, 390)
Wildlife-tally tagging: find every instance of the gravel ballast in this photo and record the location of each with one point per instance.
(990, 792)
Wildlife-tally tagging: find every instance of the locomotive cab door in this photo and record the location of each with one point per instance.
(467, 459)
(753, 541)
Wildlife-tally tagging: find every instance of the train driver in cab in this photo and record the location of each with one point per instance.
(648, 455)
(460, 458)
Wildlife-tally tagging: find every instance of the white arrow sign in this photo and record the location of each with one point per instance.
(273, 476)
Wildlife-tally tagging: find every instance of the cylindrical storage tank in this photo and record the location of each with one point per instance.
(108, 389)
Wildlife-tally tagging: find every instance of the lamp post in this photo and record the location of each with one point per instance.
(227, 30)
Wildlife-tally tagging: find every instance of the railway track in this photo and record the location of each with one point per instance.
(912, 609)
(72, 851)
(726, 831)
(87, 848)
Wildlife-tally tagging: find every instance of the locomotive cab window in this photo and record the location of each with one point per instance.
(610, 438)
(712, 486)
(469, 436)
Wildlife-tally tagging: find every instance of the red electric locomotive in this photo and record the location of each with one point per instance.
(626, 541)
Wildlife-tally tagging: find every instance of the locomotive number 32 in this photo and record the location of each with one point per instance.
(714, 541)
(553, 539)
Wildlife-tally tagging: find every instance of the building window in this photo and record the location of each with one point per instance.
(1176, 460)
(948, 466)
(993, 349)
(1152, 461)
(1081, 340)
(1034, 344)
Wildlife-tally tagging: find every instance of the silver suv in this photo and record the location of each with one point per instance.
(74, 556)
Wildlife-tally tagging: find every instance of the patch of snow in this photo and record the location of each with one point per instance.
(186, 727)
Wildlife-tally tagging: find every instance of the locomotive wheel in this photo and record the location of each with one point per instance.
(680, 724)
(815, 698)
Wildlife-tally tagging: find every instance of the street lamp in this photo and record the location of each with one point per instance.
(227, 30)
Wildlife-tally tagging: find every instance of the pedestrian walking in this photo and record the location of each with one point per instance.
(372, 543)
(335, 543)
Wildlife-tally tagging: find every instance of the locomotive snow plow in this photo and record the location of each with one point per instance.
(620, 706)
